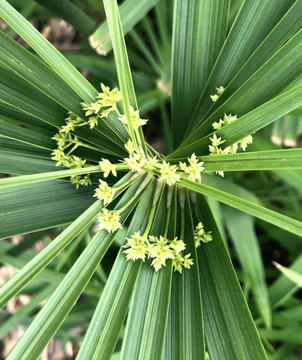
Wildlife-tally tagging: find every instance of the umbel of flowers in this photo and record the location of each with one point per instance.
(141, 162)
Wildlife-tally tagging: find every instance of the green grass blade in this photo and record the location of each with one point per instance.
(242, 232)
(282, 289)
(122, 64)
(27, 129)
(146, 324)
(32, 107)
(112, 308)
(47, 52)
(30, 208)
(229, 327)
(268, 81)
(70, 13)
(247, 124)
(22, 159)
(185, 333)
(199, 30)
(34, 71)
(253, 23)
(25, 311)
(47, 276)
(144, 338)
(292, 275)
(30, 179)
(12, 287)
(131, 12)
(60, 303)
(287, 27)
(256, 160)
(251, 208)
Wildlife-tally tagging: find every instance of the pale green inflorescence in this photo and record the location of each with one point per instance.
(200, 235)
(219, 90)
(159, 249)
(215, 148)
(138, 247)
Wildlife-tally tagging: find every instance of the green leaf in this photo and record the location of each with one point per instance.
(284, 30)
(199, 31)
(276, 74)
(47, 52)
(292, 275)
(282, 289)
(30, 179)
(251, 208)
(32, 269)
(105, 69)
(185, 333)
(242, 232)
(24, 96)
(32, 107)
(229, 327)
(256, 160)
(30, 208)
(62, 300)
(253, 23)
(34, 71)
(122, 65)
(248, 123)
(104, 328)
(28, 130)
(53, 277)
(26, 310)
(70, 13)
(291, 177)
(131, 12)
(146, 324)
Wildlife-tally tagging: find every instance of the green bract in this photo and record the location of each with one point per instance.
(226, 69)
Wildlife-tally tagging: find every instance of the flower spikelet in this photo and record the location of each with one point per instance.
(200, 235)
(107, 167)
(136, 162)
(160, 251)
(219, 91)
(151, 163)
(109, 98)
(194, 169)
(168, 173)
(104, 192)
(136, 247)
(136, 120)
(129, 146)
(109, 220)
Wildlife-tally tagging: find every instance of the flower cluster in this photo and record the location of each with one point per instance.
(201, 236)
(194, 169)
(136, 120)
(104, 192)
(169, 173)
(109, 220)
(106, 103)
(107, 167)
(66, 144)
(159, 250)
(215, 97)
(215, 148)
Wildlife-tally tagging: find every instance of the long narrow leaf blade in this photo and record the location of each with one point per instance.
(229, 327)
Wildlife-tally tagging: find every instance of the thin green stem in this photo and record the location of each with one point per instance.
(167, 222)
(140, 189)
(150, 221)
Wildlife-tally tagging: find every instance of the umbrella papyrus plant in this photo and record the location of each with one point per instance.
(172, 276)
